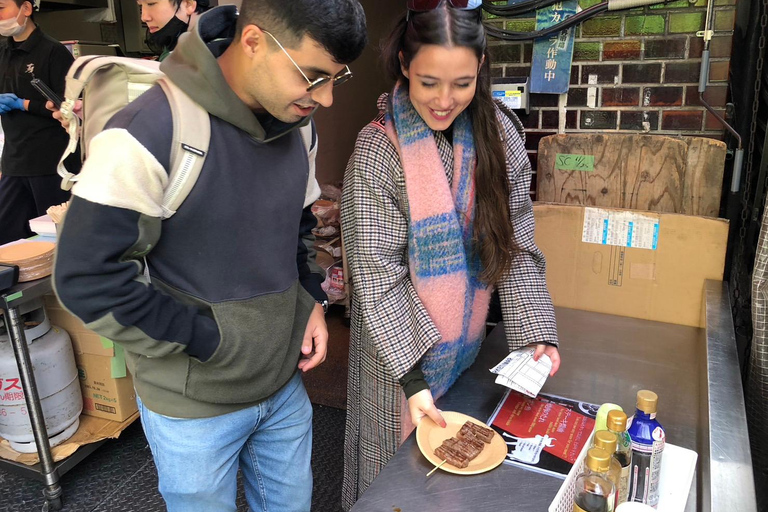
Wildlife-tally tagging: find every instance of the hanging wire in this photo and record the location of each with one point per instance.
(577, 18)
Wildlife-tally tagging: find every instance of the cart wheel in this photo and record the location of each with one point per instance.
(54, 504)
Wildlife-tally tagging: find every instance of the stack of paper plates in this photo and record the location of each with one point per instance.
(34, 259)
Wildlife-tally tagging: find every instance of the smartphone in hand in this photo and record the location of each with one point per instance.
(46, 91)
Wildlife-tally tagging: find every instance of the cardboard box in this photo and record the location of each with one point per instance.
(84, 341)
(631, 263)
(106, 385)
(105, 396)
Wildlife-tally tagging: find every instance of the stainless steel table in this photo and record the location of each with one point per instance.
(605, 359)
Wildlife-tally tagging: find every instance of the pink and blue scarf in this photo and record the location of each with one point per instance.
(444, 267)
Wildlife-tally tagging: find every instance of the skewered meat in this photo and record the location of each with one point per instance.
(470, 437)
(482, 433)
(452, 456)
(468, 449)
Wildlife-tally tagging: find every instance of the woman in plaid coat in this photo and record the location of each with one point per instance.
(436, 212)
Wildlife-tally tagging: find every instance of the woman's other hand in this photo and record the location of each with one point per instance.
(421, 404)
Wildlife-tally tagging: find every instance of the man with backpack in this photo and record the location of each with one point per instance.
(219, 308)
(33, 139)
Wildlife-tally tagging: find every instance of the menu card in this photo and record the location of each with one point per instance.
(543, 434)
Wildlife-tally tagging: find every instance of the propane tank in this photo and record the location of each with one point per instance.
(53, 362)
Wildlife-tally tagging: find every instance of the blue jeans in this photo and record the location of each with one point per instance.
(197, 459)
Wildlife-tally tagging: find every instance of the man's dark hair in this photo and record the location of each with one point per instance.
(337, 25)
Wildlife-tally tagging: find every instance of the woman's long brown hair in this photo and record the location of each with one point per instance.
(449, 27)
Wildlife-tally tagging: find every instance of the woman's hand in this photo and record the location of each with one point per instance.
(421, 404)
(552, 352)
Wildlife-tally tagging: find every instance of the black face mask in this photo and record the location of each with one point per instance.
(166, 38)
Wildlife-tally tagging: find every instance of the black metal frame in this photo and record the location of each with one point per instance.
(46, 470)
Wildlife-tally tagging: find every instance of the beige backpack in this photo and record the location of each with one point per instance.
(107, 84)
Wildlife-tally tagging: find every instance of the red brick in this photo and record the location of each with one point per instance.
(522, 71)
(715, 96)
(682, 120)
(621, 97)
(695, 47)
(550, 119)
(577, 97)
(662, 96)
(621, 50)
(672, 48)
(570, 120)
(682, 72)
(633, 120)
(599, 119)
(530, 121)
(720, 47)
(544, 100)
(718, 71)
(641, 73)
(605, 74)
(711, 122)
(532, 139)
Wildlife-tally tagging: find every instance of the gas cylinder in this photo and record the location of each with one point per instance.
(53, 362)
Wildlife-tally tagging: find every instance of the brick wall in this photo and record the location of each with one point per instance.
(633, 71)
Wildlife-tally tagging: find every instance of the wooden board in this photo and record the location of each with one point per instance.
(704, 177)
(643, 172)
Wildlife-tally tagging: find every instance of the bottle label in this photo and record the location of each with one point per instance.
(624, 485)
(645, 469)
(577, 508)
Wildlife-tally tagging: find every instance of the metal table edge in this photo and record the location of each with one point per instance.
(727, 478)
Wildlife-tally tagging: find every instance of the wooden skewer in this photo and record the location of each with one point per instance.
(437, 467)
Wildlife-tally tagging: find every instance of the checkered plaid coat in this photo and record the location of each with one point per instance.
(391, 330)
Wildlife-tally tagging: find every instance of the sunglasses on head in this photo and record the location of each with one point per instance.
(428, 5)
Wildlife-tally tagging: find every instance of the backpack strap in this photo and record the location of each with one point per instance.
(309, 136)
(73, 90)
(99, 67)
(189, 146)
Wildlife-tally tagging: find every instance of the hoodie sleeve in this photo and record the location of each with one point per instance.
(114, 220)
(311, 275)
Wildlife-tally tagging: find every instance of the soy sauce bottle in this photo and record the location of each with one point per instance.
(593, 491)
(617, 424)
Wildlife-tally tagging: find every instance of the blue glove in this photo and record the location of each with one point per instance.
(9, 101)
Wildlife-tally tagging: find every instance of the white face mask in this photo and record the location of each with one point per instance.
(11, 27)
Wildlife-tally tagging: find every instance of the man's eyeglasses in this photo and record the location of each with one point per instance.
(313, 85)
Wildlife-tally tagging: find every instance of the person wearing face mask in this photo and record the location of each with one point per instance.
(34, 140)
(166, 20)
(435, 214)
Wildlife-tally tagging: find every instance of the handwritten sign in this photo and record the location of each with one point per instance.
(566, 162)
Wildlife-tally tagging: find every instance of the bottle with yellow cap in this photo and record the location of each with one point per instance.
(607, 441)
(593, 491)
(617, 424)
(648, 440)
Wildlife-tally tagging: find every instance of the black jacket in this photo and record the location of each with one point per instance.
(34, 141)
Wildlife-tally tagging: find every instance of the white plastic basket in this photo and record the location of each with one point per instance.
(563, 501)
(677, 470)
